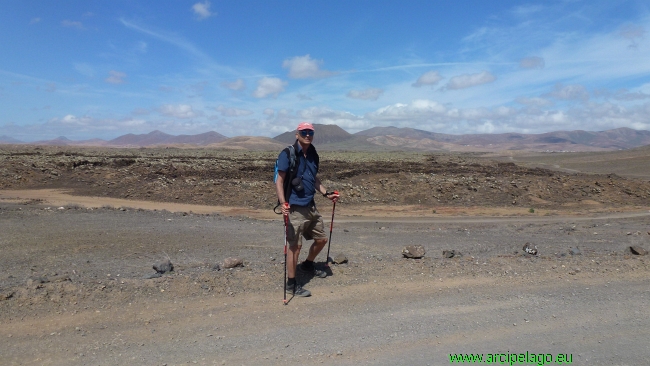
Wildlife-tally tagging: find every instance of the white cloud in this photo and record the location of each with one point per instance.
(533, 62)
(84, 69)
(632, 32)
(367, 94)
(115, 77)
(178, 111)
(469, 80)
(428, 78)
(72, 24)
(570, 92)
(534, 102)
(304, 67)
(417, 109)
(267, 86)
(202, 10)
(72, 120)
(140, 112)
(233, 112)
(236, 85)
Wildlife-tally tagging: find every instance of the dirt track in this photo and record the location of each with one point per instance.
(81, 228)
(73, 290)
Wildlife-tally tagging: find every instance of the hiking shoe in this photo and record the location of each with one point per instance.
(313, 270)
(297, 290)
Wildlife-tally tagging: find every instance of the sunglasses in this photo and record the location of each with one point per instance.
(305, 133)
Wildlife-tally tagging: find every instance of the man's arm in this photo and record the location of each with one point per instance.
(319, 187)
(279, 190)
(279, 186)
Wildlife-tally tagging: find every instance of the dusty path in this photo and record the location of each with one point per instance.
(382, 213)
(93, 306)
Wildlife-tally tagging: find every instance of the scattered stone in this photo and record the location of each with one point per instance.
(36, 281)
(164, 267)
(7, 295)
(450, 253)
(340, 259)
(637, 250)
(575, 251)
(347, 231)
(530, 249)
(59, 278)
(233, 262)
(413, 251)
(216, 267)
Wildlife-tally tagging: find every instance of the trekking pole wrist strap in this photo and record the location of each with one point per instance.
(328, 193)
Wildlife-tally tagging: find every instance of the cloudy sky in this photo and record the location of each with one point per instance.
(87, 69)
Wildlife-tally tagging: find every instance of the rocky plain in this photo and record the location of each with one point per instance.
(518, 256)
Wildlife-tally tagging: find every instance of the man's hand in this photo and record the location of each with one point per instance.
(285, 208)
(334, 196)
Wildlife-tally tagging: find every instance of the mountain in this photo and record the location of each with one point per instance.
(249, 143)
(4, 139)
(616, 139)
(160, 138)
(333, 137)
(323, 134)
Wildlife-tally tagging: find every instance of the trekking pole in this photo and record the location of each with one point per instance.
(328, 260)
(286, 224)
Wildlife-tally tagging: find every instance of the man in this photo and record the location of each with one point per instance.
(304, 219)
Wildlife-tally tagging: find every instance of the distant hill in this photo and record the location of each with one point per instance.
(160, 138)
(324, 134)
(333, 137)
(616, 139)
(249, 143)
(4, 139)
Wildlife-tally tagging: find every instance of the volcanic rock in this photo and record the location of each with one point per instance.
(637, 250)
(340, 259)
(413, 251)
(530, 249)
(164, 267)
(232, 262)
(450, 253)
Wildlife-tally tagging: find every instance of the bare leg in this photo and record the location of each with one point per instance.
(316, 248)
(292, 260)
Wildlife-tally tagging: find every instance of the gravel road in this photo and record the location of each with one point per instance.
(73, 290)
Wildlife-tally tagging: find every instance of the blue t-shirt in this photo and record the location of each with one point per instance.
(307, 170)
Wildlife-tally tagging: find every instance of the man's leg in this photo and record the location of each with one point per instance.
(292, 260)
(316, 248)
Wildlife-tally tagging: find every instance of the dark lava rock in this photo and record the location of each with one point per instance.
(413, 251)
(637, 250)
(450, 253)
(164, 267)
(530, 249)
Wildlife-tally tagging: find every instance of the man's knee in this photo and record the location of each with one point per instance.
(320, 242)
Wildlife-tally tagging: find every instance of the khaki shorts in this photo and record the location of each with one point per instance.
(304, 221)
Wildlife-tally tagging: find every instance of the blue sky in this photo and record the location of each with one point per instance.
(87, 69)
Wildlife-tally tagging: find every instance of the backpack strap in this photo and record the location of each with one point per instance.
(293, 170)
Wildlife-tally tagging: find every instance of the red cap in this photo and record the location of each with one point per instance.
(305, 126)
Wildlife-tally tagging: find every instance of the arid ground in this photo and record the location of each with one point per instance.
(80, 230)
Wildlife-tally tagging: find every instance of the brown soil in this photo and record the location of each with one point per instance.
(76, 254)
